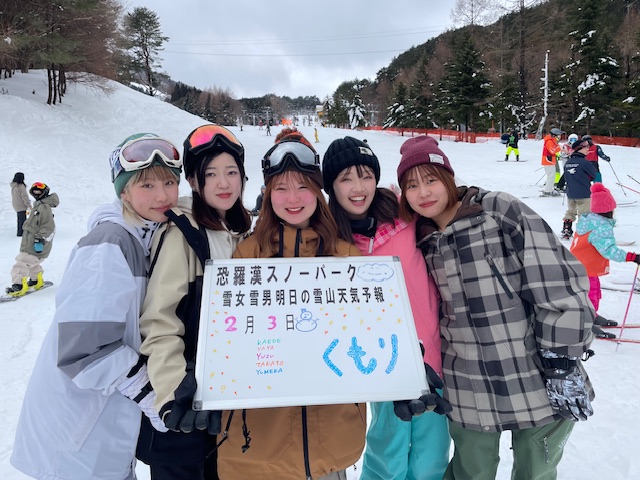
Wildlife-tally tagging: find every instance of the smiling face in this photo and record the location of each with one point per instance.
(355, 189)
(222, 183)
(429, 196)
(292, 201)
(152, 194)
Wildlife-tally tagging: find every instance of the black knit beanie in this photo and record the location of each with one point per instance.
(347, 152)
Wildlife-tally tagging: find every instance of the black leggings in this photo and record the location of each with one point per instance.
(201, 471)
(22, 216)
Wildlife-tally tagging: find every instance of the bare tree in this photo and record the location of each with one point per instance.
(474, 12)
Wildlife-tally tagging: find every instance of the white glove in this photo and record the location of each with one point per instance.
(138, 388)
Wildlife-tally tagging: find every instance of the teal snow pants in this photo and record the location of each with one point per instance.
(397, 450)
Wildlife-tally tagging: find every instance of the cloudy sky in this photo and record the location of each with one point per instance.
(255, 47)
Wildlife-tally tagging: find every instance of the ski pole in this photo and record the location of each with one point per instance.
(543, 175)
(626, 312)
(619, 183)
(624, 186)
(632, 178)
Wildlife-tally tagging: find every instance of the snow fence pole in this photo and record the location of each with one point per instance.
(616, 175)
(626, 312)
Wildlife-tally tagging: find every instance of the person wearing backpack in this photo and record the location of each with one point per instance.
(208, 225)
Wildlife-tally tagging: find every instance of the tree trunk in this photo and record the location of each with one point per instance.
(50, 75)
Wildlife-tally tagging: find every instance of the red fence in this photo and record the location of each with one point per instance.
(473, 137)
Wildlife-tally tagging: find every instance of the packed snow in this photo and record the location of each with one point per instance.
(67, 147)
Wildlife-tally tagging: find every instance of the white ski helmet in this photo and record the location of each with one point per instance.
(572, 138)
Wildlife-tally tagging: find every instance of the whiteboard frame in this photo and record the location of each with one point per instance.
(417, 387)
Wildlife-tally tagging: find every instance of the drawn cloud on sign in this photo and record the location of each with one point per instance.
(375, 272)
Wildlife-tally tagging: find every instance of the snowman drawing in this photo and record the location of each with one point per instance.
(306, 322)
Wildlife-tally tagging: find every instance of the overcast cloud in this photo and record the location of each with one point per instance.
(256, 47)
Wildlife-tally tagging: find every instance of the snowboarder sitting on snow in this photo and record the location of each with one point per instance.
(512, 146)
(38, 231)
(594, 245)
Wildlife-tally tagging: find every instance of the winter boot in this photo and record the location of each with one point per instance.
(18, 289)
(506, 158)
(37, 283)
(599, 333)
(604, 322)
(517, 158)
(567, 231)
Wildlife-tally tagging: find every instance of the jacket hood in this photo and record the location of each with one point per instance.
(113, 213)
(52, 200)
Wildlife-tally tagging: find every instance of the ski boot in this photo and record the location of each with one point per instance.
(604, 322)
(38, 283)
(599, 333)
(567, 230)
(517, 158)
(506, 158)
(18, 289)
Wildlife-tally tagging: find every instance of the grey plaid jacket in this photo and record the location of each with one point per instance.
(508, 289)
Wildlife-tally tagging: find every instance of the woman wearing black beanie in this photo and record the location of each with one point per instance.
(20, 200)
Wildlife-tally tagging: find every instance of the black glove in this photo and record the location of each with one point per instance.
(566, 386)
(606, 159)
(432, 401)
(179, 416)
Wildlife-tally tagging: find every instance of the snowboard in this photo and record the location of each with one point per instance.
(9, 298)
(511, 160)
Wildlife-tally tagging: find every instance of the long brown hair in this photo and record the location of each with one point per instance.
(237, 218)
(384, 207)
(321, 221)
(406, 212)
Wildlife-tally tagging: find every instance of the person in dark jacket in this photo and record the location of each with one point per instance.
(20, 200)
(515, 319)
(512, 146)
(259, 201)
(578, 175)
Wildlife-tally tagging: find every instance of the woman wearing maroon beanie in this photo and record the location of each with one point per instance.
(515, 319)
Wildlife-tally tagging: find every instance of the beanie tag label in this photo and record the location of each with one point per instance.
(365, 151)
(435, 158)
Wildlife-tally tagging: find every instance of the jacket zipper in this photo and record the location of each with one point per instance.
(495, 271)
(370, 245)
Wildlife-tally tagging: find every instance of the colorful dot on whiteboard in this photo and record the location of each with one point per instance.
(344, 327)
(326, 331)
(268, 387)
(378, 319)
(233, 381)
(383, 310)
(399, 320)
(368, 328)
(235, 393)
(249, 387)
(361, 321)
(215, 351)
(227, 357)
(229, 342)
(221, 373)
(212, 374)
(331, 322)
(341, 309)
(344, 315)
(210, 388)
(391, 305)
(396, 295)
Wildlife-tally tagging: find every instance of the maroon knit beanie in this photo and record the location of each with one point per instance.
(419, 151)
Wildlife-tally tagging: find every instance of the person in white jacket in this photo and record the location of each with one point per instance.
(81, 413)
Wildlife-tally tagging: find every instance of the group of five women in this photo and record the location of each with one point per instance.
(122, 345)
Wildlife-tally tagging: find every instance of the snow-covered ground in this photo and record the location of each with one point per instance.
(67, 147)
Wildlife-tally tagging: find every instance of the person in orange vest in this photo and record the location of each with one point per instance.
(550, 151)
(594, 152)
(595, 245)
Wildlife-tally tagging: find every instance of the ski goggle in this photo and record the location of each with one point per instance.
(141, 153)
(290, 154)
(207, 136)
(38, 186)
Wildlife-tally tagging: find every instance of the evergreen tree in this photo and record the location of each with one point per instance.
(419, 115)
(397, 115)
(357, 113)
(466, 83)
(597, 70)
(144, 41)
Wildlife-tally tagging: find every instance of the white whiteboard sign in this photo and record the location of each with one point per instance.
(306, 331)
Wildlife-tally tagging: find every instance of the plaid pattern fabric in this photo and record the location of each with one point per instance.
(384, 233)
(508, 288)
